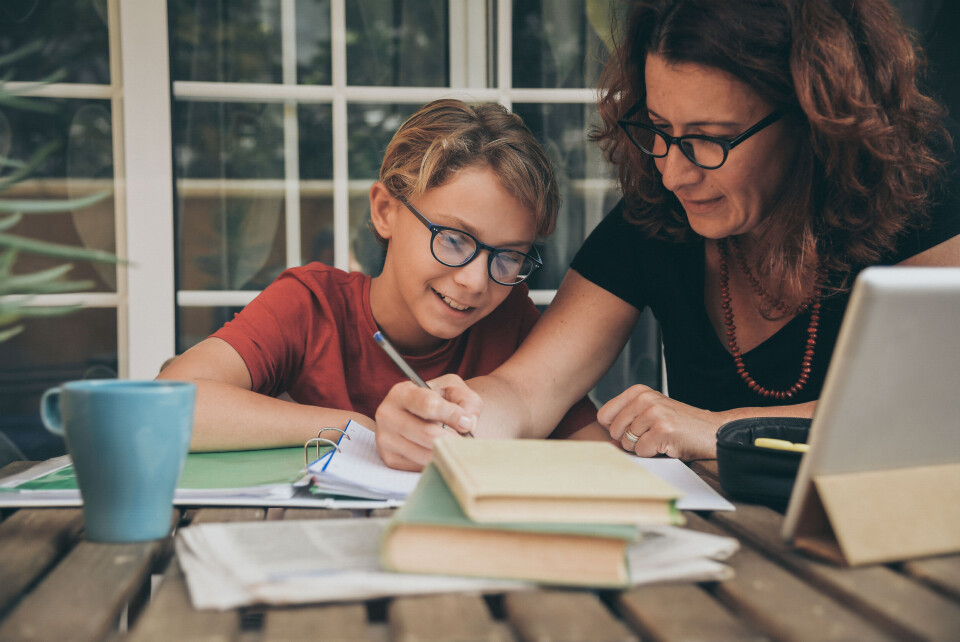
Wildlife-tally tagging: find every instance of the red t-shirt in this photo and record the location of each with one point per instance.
(310, 334)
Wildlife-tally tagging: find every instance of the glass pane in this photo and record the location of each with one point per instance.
(560, 43)
(196, 324)
(313, 42)
(50, 351)
(230, 214)
(229, 243)
(316, 224)
(397, 43)
(366, 253)
(79, 164)
(235, 41)
(315, 124)
(73, 36)
(585, 183)
(370, 129)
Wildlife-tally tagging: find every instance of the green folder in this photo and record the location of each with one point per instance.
(204, 471)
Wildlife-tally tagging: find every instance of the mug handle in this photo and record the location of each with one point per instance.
(50, 411)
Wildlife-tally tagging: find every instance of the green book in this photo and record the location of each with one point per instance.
(431, 534)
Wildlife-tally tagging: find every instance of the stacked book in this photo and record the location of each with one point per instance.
(553, 512)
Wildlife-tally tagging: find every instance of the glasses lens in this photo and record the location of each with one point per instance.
(647, 140)
(705, 153)
(453, 248)
(510, 267)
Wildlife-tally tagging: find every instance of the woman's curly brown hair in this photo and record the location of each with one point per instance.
(844, 71)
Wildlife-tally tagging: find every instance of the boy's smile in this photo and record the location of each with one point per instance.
(418, 301)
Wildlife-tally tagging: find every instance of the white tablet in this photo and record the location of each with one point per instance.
(891, 398)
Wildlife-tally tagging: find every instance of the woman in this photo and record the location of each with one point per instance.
(768, 151)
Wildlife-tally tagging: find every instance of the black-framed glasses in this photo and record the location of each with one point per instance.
(456, 248)
(707, 152)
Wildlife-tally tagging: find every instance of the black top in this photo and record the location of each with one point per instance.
(669, 277)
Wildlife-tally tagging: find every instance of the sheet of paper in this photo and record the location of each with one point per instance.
(301, 561)
(697, 494)
(294, 562)
(355, 468)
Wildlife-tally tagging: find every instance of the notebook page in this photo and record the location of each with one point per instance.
(357, 466)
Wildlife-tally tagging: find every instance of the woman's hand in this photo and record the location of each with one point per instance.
(410, 418)
(662, 426)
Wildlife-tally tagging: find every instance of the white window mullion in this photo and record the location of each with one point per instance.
(148, 185)
(341, 195)
(468, 43)
(121, 300)
(291, 135)
(457, 34)
(505, 52)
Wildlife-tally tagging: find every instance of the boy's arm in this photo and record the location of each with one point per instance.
(592, 432)
(230, 416)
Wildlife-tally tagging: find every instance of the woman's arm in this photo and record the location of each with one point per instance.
(566, 353)
(230, 416)
(665, 426)
(946, 254)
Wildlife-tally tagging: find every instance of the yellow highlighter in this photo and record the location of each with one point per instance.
(780, 444)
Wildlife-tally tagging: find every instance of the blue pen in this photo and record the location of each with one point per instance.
(404, 366)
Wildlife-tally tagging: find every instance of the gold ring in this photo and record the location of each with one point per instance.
(632, 438)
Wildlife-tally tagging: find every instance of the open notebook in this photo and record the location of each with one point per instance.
(355, 469)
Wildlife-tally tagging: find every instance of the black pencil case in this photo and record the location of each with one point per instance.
(760, 475)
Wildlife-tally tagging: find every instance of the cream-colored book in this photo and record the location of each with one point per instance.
(504, 480)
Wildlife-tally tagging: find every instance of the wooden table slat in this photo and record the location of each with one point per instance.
(435, 618)
(908, 607)
(328, 622)
(563, 615)
(30, 543)
(171, 616)
(706, 468)
(781, 605)
(942, 573)
(216, 515)
(89, 589)
(667, 612)
(317, 513)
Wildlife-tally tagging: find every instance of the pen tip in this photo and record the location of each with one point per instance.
(378, 336)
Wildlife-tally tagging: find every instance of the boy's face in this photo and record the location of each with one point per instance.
(419, 302)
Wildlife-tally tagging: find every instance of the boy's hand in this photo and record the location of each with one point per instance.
(410, 418)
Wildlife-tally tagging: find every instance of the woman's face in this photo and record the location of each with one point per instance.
(692, 99)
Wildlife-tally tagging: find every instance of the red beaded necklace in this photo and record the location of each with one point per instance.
(811, 303)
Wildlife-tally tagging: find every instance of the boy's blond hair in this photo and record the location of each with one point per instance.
(448, 135)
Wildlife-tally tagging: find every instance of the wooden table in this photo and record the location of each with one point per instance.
(54, 585)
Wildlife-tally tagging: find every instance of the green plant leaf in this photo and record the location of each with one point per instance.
(10, 314)
(29, 104)
(22, 52)
(7, 258)
(56, 250)
(51, 207)
(9, 162)
(10, 332)
(30, 284)
(34, 162)
(10, 221)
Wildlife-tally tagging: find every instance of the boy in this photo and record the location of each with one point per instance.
(463, 193)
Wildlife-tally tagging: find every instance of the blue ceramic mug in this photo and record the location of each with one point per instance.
(128, 441)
